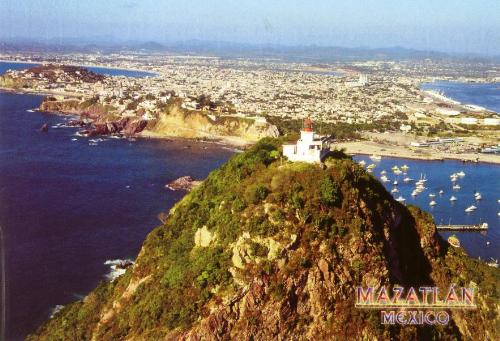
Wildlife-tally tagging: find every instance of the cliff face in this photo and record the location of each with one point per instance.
(194, 124)
(266, 249)
(173, 122)
(7, 81)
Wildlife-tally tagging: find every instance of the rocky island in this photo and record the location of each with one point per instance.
(268, 249)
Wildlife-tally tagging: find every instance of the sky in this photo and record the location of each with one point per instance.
(462, 26)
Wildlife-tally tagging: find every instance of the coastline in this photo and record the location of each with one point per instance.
(40, 93)
(370, 148)
(153, 73)
(434, 93)
(230, 141)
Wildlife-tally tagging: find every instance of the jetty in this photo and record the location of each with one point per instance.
(474, 227)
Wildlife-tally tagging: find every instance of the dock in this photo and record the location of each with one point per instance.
(475, 227)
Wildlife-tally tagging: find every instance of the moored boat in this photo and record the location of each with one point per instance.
(454, 241)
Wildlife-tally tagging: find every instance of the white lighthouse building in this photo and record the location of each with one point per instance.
(309, 148)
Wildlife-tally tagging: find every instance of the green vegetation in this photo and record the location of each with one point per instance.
(335, 224)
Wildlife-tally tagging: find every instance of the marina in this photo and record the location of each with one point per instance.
(459, 196)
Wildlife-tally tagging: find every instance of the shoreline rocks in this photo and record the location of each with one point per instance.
(186, 183)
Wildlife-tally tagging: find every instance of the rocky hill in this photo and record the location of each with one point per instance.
(49, 74)
(265, 249)
(179, 122)
(171, 121)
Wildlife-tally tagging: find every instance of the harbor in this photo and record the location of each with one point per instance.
(462, 198)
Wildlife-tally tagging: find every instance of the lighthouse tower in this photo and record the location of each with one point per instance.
(310, 147)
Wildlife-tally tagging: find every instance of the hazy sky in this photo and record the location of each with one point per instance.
(444, 25)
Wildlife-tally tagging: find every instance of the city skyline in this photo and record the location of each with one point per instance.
(447, 26)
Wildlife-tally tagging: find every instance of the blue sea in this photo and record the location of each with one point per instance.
(479, 177)
(486, 95)
(67, 206)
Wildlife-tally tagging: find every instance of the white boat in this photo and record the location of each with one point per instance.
(421, 181)
(375, 157)
(371, 166)
(400, 199)
(478, 196)
(456, 186)
(454, 177)
(420, 189)
(414, 193)
(394, 168)
(394, 190)
(384, 178)
(384, 172)
(432, 195)
(404, 168)
(471, 208)
(362, 163)
(398, 171)
(441, 192)
(407, 179)
(395, 183)
(454, 241)
(461, 174)
(493, 263)
(453, 198)
(433, 203)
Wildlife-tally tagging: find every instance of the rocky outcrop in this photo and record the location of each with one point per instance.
(95, 118)
(179, 122)
(174, 122)
(185, 183)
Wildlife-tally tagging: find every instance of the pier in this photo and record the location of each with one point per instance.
(476, 227)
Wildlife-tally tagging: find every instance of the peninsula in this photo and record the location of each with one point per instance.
(269, 249)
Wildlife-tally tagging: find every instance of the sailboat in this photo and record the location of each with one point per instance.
(400, 199)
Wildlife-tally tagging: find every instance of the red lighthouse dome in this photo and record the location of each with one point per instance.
(308, 125)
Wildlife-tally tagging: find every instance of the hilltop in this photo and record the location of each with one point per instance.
(268, 249)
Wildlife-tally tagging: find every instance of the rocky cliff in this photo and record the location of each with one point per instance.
(176, 121)
(173, 121)
(265, 249)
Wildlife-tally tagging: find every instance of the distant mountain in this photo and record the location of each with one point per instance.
(314, 53)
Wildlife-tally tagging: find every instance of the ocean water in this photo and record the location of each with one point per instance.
(481, 177)
(66, 207)
(4, 66)
(486, 95)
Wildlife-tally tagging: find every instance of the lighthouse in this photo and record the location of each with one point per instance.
(311, 148)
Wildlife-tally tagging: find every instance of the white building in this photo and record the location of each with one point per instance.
(310, 147)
